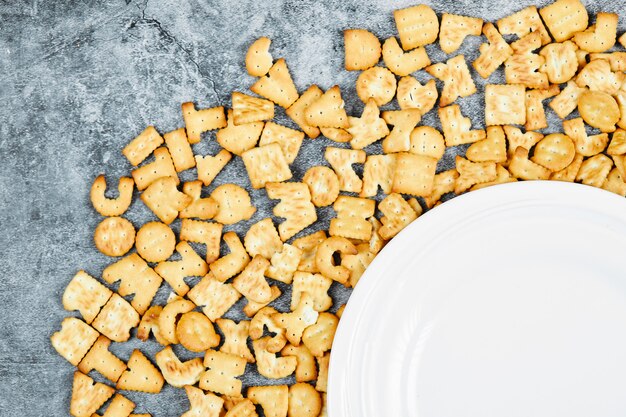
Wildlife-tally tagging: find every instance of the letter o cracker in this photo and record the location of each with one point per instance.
(114, 236)
(599, 110)
(112, 206)
(555, 152)
(155, 242)
(323, 185)
(196, 332)
(378, 83)
(234, 204)
(362, 49)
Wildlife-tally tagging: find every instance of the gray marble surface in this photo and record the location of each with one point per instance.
(79, 79)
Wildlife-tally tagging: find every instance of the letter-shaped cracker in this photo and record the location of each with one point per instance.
(323, 184)
(209, 167)
(522, 67)
(595, 170)
(119, 406)
(524, 169)
(490, 149)
(164, 199)
(239, 138)
(523, 22)
(361, 49)
(85, 294)
(502, 176)
(169, 315)
(457, 128)
(248, 109)
(202, 404)
(319, 337)
(570, 172)
(492, 54)
(277, 85)
(141, 375)
(262, 239)
(135, 277)
(403, 63)
(235, 338)
(597, 75)
(116, 319)
(308, 245)
(368, 128)
(298, 109)
(195, 332)
(150, 323)
(258, 58)
(295, 322)
(303, 396)
(305, 368)
(174, 272)
(204, 208)
(251, 281)
(378, 84)
(206, 233)
(213, 296)
(427, 141)
(177, 373)
(599, 37)
(505, 104)
(417, 26)
(564, 18)
(142, 146)
(200, 121)
(220, 377)
(397, 214)
(357, 264)
(327, 110)
(289, 139)
(322, 377)
(180, 149)
(414, 174)
(352, 215)
(555, 152)
(456, 78)
(567, 100)
(88, 397)
(103, 361)
(73, 340)
(268, 364)
(262, 319)
(273, 399)
(471, 173)
(234, 204)
(316, 286)
(455, 28)
(266, 164)
(517, 139)
(378, 171)
(233, 263)
(413, 95)
(112, 206)
(561, 62)
(325, 262)
(284, 263)
(341, 160)
(162, 166)
(295, 207)
(535, 112)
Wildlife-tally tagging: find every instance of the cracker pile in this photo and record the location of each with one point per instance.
(554, 55)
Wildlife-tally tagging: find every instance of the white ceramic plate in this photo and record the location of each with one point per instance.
(508, 301)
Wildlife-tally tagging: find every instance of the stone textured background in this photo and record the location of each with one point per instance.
(78, 80)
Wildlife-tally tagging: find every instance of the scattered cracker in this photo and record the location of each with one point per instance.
(141, 375)
(266, 164)
(325, 262)
(251, 282)
(413, 95)
(155, 242)
(112, 206)
(116, 319)
(202, 404)
(524, 169)
(305, 369)
(73, 340)
(327, 110)
(492, 54)
(277, 85)
(561, 63)
(209, 166)
(417, 26)
(403, 122)
(248, 109)
(457, 129)
(177, 373)
(239, 138)
(599, 37)
(304, 400)
(357, 263)
(471, 173)
(564, 18)
(88, 397)
(555, 152)
(150, 323)
(523, 22)
(200, 121)
(341, 160)
(289, 140)
(114, 236)
(617, 60)
(180, 149)
(268, 364)
(362, 49)
(295, 322)
(258, 58)
(262, 319)
(252, 307)
(142, 146)
(490, 149)
(618, 143)
(599, 110)
(443, 183)
(262, 239)
(505, 104)
(336, 134)
(568, 173)
(368, 128)
(403, 63)
(235, 338)
(535, 112)
(295, 207)
(457, 80)
(297, 111)
(414, 174)
(517, 139)
(164, 199)
(597, 75)
(273, 399)
(233, 263)
(175, 272)
(615, 183)
(567, 100)
(397, 214)
(323, 185)
(169, 316)
(195, 332)
(308, 245)
(85, 294)
(503, 176)
(427, 141)
(119, 406)
(316, 286)
(243, 408)
(454, 30)
(523, 66)
(234, 204)
(319, 337)
(206, 233)
(351, 221)
(213, 296)
(585, 145)
(377, 83)
(595, 170)
(284, 263)
(322, 378)
(378, 171)
(162, 166)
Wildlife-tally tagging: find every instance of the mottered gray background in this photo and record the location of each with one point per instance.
(79, 79)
